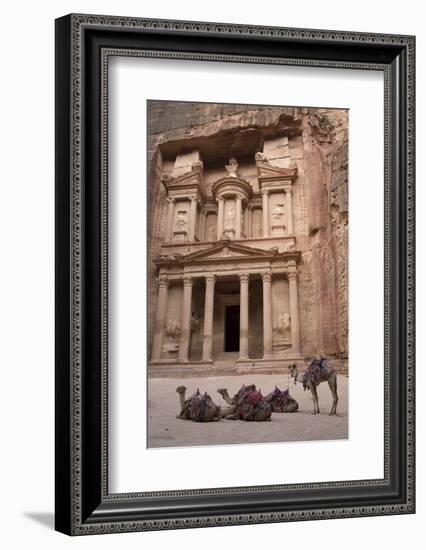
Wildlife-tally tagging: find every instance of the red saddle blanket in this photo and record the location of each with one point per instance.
(253, 397)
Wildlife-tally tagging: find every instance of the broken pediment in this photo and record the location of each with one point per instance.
(188, 181)
(267, 170)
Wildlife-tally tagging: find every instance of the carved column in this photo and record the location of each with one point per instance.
(220, 206)
(289, 202)
(208, 318)
(170, 214)
(294, 312)
(185, 325)
(246, 222)
(267, 315)
(160, 318)
(250, 223)
(238, 216)
(203, 225)
(193, 218)
(265, 209)
(244, 315)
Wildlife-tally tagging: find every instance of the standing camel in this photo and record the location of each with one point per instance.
(317, 372)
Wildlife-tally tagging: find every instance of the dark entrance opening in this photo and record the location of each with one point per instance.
(232, 328)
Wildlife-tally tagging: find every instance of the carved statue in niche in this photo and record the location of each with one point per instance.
(211, 232)
(229, 218)
(173, 329)
(258, 229)
(181, 220)
(283, 322)
(278, 212)
(232, 167)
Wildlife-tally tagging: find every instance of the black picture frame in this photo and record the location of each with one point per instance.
(83, 504)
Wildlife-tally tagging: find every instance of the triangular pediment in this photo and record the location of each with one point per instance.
(225, 250)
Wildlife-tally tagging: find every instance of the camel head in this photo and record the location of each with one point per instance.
(181, 390)
(223, 392)
(293, 370)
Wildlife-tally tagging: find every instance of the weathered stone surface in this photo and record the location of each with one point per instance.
(313, 140)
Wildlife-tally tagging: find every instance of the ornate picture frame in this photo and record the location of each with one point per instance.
(84, 43)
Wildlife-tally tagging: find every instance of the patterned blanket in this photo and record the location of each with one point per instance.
(317, 371)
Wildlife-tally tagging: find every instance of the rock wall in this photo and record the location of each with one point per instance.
(318, 144)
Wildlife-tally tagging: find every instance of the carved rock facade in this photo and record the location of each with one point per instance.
(248, 234)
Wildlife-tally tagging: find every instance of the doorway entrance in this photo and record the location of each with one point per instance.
(232, 328)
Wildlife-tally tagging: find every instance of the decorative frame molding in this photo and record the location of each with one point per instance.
(84, 44)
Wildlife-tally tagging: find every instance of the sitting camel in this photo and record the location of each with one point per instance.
(317, 372)
(199, 408)
(248, 404)
(281, 401)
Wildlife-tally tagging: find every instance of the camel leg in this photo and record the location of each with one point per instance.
(184, 415)
(232, 417)
(315, 399)
(225, 411)
(332, 383)
(291, 407)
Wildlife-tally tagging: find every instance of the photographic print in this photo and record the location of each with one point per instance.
(203, 276)
(247, 283)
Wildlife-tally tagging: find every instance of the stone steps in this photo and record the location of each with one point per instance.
(227, 368)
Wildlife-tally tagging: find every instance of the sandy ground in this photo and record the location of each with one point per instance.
(165, 430)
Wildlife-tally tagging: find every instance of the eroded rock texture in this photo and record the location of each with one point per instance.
(314, 140)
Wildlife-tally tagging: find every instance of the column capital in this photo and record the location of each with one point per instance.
(187, 280)
(244, 277)
(292, 275)
(171, 199)
(287, 189)
(264, 191)
(219, 199)
(267, 277)
(163, 281)
(210, 278)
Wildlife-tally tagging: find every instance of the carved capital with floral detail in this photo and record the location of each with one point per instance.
(267, 277)
(187, 280)
(210, 279)
(244, 277)
(292, 276)
(163, 281)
